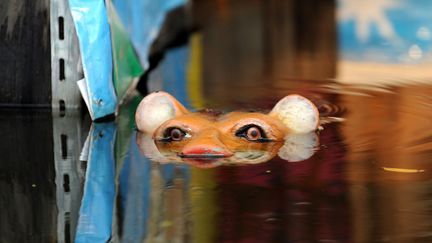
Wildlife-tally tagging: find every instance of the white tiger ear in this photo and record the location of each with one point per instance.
(298, 114)
(155, 109)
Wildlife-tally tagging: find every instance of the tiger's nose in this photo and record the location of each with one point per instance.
(205, 151)
(206, 144)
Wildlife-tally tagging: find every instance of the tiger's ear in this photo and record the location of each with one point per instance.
(155, 109)
(298, 114)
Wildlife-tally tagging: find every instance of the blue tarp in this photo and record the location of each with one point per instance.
(142, 20)
(91, 23)
(174, 74)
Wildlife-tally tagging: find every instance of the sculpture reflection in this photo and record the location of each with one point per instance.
(294, 148)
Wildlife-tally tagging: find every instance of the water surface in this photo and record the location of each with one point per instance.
(369, 179)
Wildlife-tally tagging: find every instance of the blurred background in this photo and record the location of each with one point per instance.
(72, 73)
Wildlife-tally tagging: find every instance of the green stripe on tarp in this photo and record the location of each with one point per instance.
(126, 64)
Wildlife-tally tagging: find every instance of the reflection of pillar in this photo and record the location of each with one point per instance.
(361, 131)
(175, 204)
(155, 215)
(413, 117)
(385, 129)
(67, 147)
(411, 150)
(169, 206)
(317, 205)
(202, 196)
(27, 188)
(250, 203)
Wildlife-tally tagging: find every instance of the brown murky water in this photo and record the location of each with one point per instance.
(369, 180)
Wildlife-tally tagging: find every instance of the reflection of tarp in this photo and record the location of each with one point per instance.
(135, 185)
(134, 181)
(96, 213)
(93, 32)
(134, 193)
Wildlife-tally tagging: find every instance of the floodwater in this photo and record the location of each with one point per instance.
(368, 180)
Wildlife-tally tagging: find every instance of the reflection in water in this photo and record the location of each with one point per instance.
(95, 216)
(390, 130)
(295, 147)
(27, 177)
(299, 147)
(70, 171)
(391, 127)
(369, 179)
(266, 202)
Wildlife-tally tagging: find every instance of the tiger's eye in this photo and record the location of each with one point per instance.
(253, 133)
(176, 134)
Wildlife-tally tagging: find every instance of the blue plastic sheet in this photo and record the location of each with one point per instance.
(142, 20)
(91, 23)
(96, 212)
(174, 73)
